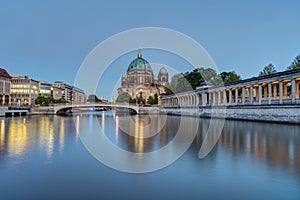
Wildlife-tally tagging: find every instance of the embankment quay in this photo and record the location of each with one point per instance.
(273, 97)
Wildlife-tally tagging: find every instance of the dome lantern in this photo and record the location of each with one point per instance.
(139, 64)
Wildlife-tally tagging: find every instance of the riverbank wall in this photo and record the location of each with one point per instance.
(2, 110)
(282, 113)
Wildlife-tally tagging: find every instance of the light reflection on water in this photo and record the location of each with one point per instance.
(251, 159)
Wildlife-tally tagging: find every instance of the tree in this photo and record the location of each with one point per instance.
(190, 80)
(93, 98)
(269, 69)
(153, 100)
(180, 84)
(150, 100)
(168, 91)
(194, 78)
(42, 100)
(124, 98)
(210, 75)
(295, 64)
(229, 77)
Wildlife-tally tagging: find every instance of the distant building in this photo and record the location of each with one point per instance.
(45, 88)
(78, 95)
(24, 90)
(67, 90)
(57, 93)
(5, 85)
(139, 80)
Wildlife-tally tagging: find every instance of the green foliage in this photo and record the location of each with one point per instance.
(152, 100)
(190, 80)
(194, 78)
(93, 98)
(42, 100)
(125, 98)
(210, 75)
(229, 77)
(269, 69)
(59, 101)
(132, 100)
(295, 64)
(180, 84)
(168, 91)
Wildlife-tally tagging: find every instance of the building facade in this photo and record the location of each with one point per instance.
(57, 93)
(139, 80)
(24, 90)
(5, 84)
(78, 95)
(67, 89)
(45, 88)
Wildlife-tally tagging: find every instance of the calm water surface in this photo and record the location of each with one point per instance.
(42, 157)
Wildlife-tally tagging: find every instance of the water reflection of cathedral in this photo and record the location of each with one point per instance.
(139, 79)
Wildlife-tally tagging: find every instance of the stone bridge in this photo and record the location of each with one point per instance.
(60, 109)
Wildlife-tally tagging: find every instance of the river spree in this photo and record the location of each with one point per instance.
(44, 157)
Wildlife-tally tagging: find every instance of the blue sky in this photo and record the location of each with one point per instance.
(49, 40)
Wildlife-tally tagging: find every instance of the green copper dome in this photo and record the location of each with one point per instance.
(139, 64)
(163, 71)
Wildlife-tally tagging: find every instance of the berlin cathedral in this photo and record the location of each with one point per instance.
(139, 80)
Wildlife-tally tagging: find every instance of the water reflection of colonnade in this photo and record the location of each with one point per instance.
(274, 89)
(276, 145)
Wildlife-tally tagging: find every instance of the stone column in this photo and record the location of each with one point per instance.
(219, 97)
(224, 97)
(293, 97)
(256, 94)
(204, 98)
(236, 95)
(243, 95)
(230, 96)
(274, 91)
(197, 99)
(251, 94)
(284, 90)
(297, 89)
(269, 92)
(265, 92)
(259, 94)
(280, 93)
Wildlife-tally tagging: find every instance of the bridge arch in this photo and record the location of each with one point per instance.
(62, 109)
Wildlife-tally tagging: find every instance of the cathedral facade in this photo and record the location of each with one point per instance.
(139, 81)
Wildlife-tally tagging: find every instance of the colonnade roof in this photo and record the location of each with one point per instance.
(259, 78)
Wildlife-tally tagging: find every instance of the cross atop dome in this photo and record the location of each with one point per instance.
(139, 54)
